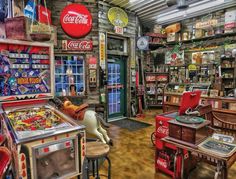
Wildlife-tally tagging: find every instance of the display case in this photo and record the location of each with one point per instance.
(69, 75)
(223, 107)
(44, 142)
(154, 86)
(228, 73)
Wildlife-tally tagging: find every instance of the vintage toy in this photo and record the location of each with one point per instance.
(89, 118)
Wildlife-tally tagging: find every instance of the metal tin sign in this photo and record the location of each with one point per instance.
(102, 50)
(79, 45)
(76, 20)
(119, 30)
(192, 67)
(142, 43)
(118, 17)
(92, 62)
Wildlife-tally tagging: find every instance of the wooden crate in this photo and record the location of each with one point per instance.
(17, 28)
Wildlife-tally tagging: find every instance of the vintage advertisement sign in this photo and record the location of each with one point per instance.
(119, 30)
(143, 43)
(76, 20)
(118, 17)
(102, 50)
(78, 45)
(206, 24)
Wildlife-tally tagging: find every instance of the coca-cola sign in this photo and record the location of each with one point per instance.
(79, 45)
(76, 20)
(163, 130)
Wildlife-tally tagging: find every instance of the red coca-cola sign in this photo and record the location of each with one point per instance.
(76, 20)
(79, 45)
(163, 130)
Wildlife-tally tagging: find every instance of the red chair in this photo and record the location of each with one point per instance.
(5, 161)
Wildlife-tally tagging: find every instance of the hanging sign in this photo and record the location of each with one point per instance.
(102, 49)
(92, 63)
(76, 20)
(118, 17)
(142, 43)
(78, 45)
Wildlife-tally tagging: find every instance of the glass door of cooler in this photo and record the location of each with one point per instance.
(116, 88)
(69, 75)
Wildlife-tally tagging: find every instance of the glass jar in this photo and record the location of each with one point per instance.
(205, 58)
(185, 36)
(211, 57)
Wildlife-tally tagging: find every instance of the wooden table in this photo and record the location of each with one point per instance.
(222, 163)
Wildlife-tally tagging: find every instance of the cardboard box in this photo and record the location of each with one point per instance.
(232, 106)
(17, 28)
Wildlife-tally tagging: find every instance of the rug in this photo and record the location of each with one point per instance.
(131, 125)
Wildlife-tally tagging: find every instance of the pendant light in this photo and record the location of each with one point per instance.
(182, 4)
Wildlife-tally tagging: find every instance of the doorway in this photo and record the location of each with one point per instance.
(116, 87)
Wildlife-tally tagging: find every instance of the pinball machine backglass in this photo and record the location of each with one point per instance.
(45, 143)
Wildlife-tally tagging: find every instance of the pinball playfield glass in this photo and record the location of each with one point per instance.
(29, 122)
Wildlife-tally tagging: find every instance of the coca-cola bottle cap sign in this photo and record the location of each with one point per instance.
(76, 20)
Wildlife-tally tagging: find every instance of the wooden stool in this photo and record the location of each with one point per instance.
(95, 151)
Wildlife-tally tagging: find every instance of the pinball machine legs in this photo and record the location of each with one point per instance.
(178, 164)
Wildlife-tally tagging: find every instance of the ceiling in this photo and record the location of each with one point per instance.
(149, 11)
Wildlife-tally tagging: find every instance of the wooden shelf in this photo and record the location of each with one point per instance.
(203, 38)
(154, 73)
(154, 105)
(150, 94)
(228, 78)
(227, 67)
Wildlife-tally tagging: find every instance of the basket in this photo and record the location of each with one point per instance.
(40, 37)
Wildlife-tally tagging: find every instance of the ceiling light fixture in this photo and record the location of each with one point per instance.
(195, 9)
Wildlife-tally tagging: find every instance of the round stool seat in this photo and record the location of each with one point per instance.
(96, 150)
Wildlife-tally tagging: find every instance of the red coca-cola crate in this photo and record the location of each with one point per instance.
(162, 128)
(44, 15)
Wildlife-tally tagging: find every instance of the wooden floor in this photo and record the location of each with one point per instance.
(132, 155)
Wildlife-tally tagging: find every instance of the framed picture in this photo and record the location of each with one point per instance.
(174, 58)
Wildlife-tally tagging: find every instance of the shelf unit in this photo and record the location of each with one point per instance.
(154, 86)
(69, 70)
(228, 73)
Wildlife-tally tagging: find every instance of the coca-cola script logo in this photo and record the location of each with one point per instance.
(76, 20)
(163, 130)
(84, 45)
(162, 162)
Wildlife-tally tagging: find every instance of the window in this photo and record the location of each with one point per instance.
(69, 75)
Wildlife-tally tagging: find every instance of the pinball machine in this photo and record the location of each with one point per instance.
(45, 143)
